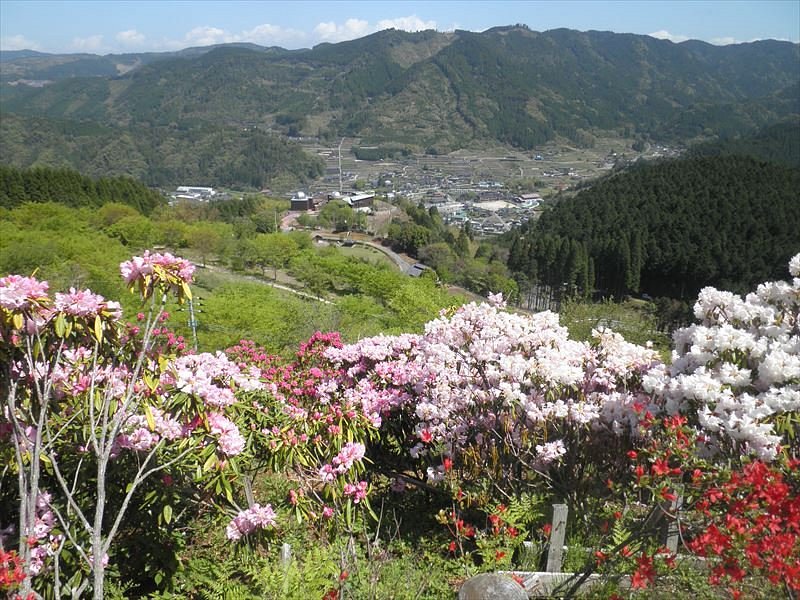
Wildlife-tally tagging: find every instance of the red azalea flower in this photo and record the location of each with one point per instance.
(660, 467)
(645, 573)
(668, 495)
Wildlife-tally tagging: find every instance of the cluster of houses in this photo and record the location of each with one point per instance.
(489, 213)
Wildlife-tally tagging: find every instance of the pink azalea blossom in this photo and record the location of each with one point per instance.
(247, 521)
(85, 304)
(230, 440)
(356, 491)
(351, 452)
(20, 293)
(142, 266)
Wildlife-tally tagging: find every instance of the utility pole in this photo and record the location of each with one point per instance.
(340, 165)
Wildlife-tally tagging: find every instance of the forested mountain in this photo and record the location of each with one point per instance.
(426, 89)
(30, 65)
(779, 143)
(668, 229)
(18, 186)
(205, 154)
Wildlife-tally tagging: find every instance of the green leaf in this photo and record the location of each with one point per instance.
(98, 328)
(166, 513)
(210, 462)
(151, 422)
(61, 325)
(371, 512)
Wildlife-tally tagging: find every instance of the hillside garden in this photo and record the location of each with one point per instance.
(397, 465)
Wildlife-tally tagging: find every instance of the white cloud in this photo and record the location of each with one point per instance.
(272, 35)
(88, 44)
(206, 36)
(663, 34)
(723, 41)
(130, 37)
(411, 23)
(350, 29)
(330, 31)
(17, 42)
(264, 34)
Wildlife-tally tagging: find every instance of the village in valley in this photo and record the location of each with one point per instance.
(489, 190)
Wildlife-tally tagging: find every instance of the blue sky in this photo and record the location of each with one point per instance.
(104, 26)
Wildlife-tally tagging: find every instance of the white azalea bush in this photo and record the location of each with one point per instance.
(738, 369)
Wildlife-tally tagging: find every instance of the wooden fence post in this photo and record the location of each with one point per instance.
(248, 491)
(558, 532)
(672, 528)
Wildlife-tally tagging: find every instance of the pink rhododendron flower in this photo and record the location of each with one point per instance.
(356, 491)
(140, 266)
(19, 293)
(247, 521)
(351, 452)
(80, 303)
(230, 440)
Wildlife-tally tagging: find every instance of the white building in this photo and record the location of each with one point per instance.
(193, 192)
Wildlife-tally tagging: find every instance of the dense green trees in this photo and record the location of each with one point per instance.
(340, 216)
(200, 153)
(779, 143)
(70, 188)
(667, 229)
(450, 252)
(62, 245)
(273, 250)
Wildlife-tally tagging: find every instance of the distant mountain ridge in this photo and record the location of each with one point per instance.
(34, 65)
(427, 90)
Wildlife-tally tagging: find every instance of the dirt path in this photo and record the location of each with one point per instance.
(274, 284)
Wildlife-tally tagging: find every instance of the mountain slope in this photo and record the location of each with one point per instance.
(446, 90)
